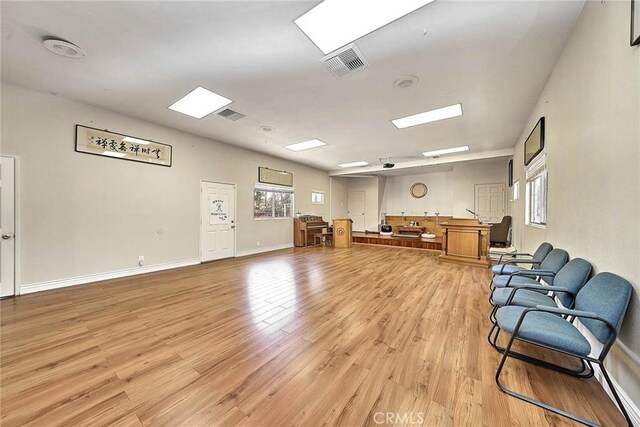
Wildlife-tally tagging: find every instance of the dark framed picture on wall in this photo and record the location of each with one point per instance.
(635, 23)
(510, 167)
(535, 142)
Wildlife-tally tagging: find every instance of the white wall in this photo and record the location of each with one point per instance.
(83, 214)
(592, 107)
(339, 198)
(467, 175)
(371, 190)
(450, 192)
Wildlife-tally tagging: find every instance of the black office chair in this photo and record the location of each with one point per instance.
(499, 233)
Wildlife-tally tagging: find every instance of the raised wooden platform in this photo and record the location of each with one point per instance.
(407, 242)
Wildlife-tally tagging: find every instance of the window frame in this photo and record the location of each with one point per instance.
(274, 189)
(317, 192)
(537, 178)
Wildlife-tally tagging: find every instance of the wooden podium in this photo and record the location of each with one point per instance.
(342, 236)
(466, 241)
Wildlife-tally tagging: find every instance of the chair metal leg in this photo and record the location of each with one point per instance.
(585, 372)
(615, 394)
(507, 353)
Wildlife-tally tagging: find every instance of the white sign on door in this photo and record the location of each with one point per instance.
(218, 209)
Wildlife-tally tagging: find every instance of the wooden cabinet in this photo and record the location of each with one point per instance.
(342, 233)
(466, 241)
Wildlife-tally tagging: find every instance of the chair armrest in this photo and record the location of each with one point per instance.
(515, 261)
(529, 273)
(521, 261)
(569, 312)
(542, 288)
(513, 255)
(547, 288)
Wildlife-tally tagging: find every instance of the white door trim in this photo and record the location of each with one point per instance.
(235, 210)
(16, 226)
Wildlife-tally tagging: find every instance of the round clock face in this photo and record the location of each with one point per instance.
(418, 190)
(341, 231)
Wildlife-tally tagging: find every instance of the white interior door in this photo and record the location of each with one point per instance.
(489, 202)
(355, 208)
(217, 221)
(7, 220)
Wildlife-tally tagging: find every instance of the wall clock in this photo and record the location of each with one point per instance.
(418, 190)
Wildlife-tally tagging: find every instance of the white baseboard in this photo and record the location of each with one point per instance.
(81, 280)
(263, 249)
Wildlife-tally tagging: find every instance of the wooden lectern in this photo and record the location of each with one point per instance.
(342, 236)
(466, 241)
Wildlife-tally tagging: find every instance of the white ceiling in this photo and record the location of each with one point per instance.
(493, 57)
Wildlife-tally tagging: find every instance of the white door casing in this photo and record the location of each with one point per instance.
(489, 202)
(355, 208)
(217, 221)
(7, 226)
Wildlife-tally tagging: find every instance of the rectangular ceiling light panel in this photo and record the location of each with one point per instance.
(305, 145)
(445, 151)
(200, 102)
(353, 164)
(429, 116)
(335, 23)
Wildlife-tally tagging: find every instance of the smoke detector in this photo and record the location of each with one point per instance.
(345, 61)
(63, 48)
(406, 82)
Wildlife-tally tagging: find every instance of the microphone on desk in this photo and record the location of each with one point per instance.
(471, 212)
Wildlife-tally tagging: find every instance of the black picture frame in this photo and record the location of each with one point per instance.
(275, 177)
(534, 144)
(510, 173)
(635, 24)
(80, 147)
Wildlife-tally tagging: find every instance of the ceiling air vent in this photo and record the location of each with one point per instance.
(230, 114)
(345, 61)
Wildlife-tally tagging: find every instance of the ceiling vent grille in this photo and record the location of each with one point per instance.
(345, 61)
(230, 114)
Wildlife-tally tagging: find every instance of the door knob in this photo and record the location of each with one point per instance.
(233, 226)
(7, 236)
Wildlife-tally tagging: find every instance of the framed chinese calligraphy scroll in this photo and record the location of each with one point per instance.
(110, 144)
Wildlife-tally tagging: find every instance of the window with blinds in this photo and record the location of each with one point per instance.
(536, 192)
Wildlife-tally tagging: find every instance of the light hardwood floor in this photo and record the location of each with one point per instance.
(308, 336)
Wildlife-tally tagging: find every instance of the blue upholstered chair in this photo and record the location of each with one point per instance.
(600, 306)
(549, 267)
(507, 263)
(566, 285)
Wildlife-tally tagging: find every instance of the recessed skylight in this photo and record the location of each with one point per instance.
(429, 116)
(335, 23)
(199, 103)
(305, 145)
(445, 151)
(353, 164)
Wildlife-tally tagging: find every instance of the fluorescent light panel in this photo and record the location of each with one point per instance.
(199, 103)
(353, 164)
(429, 116)
(335, 23)
(305, 145)
(445, 151)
